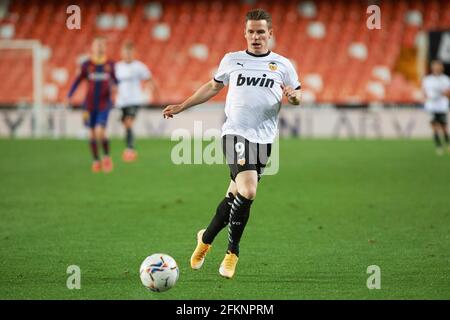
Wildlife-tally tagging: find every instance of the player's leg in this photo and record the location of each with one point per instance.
(89, 121)
(101, 136)
(107, 164)
(435, 126)
(247, 172)
(246, 185)
(128, 124)
(222, 216)
(443, 125)
(129, 114)
(205, 237)
(100, 129)
(96, 167)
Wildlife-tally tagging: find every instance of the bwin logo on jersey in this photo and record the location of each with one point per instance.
(254, 81)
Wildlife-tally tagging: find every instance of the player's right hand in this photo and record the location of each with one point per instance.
(172, 109)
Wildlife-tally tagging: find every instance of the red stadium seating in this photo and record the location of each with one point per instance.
(219, 26)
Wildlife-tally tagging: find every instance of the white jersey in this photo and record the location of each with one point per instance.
(130, 76)
(435, 87)
(254, 95)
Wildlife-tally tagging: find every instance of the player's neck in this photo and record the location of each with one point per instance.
(100, 59)
(259, 53)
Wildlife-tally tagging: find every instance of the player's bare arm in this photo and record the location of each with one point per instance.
(114, 91)
(80, 76)
(152, 86)
(293, 96)
(203, 94)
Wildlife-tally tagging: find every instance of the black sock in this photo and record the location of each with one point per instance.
(130, 138)
(437, 140)
(446, 137)
(239, 214)
(94, 149)
(105, 145)
(220, 219)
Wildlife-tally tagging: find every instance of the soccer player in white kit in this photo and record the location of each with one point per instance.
(257, 79)
(131, 73)
(436, 87)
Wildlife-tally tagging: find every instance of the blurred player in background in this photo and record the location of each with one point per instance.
(99, 72)
(436, 87)
(257, 79)
(130, 74)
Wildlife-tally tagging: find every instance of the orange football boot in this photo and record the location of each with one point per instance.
(107, 164)
(129, 155)
(198, 257)
(96, 166)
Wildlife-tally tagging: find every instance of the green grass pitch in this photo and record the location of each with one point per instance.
(335, 208)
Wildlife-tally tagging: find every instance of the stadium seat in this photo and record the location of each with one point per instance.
(326, 56)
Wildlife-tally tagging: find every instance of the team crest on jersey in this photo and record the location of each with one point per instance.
(241, 161)
(273, 66)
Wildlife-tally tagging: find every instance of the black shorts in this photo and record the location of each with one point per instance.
(242, 155)
(129, 111)
(439, 117)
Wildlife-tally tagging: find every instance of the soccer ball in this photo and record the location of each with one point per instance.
(159, 272)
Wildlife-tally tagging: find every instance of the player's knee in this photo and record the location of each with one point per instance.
(100, 133)
(128, 122)
(248, 192)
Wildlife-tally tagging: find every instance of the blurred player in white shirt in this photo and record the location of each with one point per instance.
(131, 73)
(436, 87)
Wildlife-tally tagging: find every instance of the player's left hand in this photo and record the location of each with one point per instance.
(447, 93)
(289, 92)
